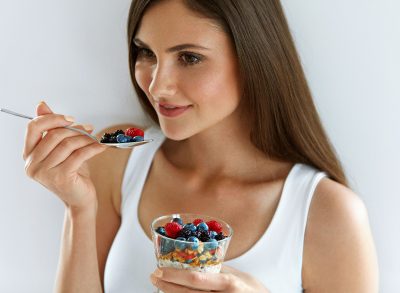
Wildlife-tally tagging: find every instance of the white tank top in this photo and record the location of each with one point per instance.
(275, 260)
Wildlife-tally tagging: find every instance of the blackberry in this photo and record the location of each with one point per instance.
(105, 138)
(113, 139)
(185, 233)
(202, 235)
(219, 236)
(119, 131)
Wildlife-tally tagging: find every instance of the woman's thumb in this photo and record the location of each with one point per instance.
(43, 109)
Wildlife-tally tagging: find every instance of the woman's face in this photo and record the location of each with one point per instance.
(191, 88)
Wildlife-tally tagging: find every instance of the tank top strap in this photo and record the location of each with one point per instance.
(279, 252)
(291, 217)
(288, 231)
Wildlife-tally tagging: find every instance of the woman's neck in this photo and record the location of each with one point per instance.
(222, 150)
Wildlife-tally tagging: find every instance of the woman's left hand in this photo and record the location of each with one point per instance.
(171, 280)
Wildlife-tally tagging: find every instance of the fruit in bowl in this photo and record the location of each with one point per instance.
(190, 241)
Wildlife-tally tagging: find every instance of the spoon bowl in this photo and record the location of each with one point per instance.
(122, 145)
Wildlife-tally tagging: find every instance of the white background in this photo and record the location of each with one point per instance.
(73, 54)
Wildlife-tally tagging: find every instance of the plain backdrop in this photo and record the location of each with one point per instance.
(73, 54)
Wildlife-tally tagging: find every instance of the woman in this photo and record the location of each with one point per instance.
(238, 138)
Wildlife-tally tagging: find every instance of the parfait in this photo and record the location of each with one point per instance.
(192, 242)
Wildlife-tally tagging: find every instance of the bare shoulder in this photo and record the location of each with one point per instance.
(339, 253)
(107, 168)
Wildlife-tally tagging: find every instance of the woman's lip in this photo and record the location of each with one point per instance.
(169, 110)
(171, 105)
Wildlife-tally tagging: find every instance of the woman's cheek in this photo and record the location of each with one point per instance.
(143, 76)
(210, 88)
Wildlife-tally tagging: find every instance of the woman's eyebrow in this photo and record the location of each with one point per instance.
(174, 48)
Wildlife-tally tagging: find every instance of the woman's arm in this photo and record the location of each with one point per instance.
(65, 162)
(78, 269)
(339, 252)
(88, 235)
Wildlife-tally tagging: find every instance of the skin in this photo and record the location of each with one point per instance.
(203, 155)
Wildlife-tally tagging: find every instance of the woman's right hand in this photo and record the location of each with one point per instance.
(57, 160)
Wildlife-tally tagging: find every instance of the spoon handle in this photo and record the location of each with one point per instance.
(67, 127)
(82, 132)
(15, 113)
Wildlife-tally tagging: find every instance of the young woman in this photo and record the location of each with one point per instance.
(236, 136)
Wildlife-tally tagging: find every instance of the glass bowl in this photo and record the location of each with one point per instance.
(191, 254)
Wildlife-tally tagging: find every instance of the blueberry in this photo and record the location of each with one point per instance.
(161, 231)
(121, 138)
(211, 244)
(177, 220)
(180, 245)
(137, 138)
(212, 234)
(191, 227)
(202, 226)
(195, 242)
(167, 246)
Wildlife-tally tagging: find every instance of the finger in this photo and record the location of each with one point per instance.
(40, 124)
(64, 149)
(198, 280)
(170, 287)
(34, 162)
(42, 108)
(78, 157)
(52, 139)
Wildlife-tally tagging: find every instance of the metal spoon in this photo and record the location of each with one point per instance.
(124, 145)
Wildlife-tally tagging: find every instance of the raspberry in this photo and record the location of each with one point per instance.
(172, 229)
(134, 132)
(197, 221)
(214, 226)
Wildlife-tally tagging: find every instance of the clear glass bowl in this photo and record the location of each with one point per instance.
(201, 256)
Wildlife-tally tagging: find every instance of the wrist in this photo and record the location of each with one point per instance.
(86, 212)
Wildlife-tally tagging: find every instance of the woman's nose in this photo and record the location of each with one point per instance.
(163, 83)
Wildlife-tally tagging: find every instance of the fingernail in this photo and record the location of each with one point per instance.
(88, 127)
(158, 273)
(42, 102)
(69, 118)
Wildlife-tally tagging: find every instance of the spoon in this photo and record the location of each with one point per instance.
(121, 145)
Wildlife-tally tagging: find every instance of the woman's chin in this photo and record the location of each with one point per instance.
(176, 133)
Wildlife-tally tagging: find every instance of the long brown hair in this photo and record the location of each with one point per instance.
(285, 122)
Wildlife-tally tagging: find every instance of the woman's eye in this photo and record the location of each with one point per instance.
(143, 52)
(189, 59)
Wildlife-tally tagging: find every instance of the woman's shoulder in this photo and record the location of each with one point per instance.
(338, 245)
(336, 200)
